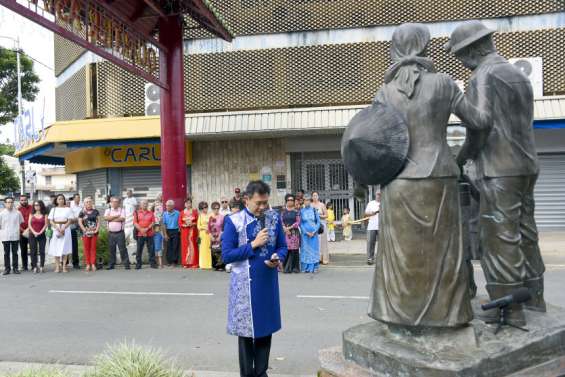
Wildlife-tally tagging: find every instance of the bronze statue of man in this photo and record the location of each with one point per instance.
(501, 142)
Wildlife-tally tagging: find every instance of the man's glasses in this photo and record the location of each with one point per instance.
(224, 202)
(290, 200)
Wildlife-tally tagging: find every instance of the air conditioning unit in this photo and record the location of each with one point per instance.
(152, 100)
(533, 69)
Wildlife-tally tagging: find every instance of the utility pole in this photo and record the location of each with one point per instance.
(22, 162)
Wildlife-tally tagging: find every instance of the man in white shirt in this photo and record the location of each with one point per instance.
(130, 205)
(76, 208)
(10, 221)
(372, 210)
(225, 207)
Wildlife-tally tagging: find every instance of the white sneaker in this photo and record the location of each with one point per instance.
(228, 268)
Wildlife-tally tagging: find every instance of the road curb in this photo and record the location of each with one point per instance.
(9, 367)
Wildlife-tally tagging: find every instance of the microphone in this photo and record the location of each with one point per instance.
(517, 296)
(261, 220)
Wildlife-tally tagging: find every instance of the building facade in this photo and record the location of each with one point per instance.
(273, 104)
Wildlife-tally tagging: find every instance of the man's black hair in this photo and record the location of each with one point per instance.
(8, 198)
(289, 196)
(302, 191)
(257, 187)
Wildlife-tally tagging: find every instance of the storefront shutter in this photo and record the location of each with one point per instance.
(550, 192)
(89, 182)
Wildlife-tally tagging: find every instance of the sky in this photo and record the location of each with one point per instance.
(36, 42)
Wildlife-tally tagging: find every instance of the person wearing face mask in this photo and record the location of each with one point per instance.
(254, 243)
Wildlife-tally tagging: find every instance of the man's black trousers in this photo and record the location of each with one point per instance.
(254, 356)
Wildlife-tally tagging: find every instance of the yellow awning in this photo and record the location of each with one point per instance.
(92, 130)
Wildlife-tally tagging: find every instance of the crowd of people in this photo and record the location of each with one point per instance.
(190, 238)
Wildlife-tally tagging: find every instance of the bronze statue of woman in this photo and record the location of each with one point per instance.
(420, 276)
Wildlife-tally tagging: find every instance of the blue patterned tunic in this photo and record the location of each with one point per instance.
(254, 307)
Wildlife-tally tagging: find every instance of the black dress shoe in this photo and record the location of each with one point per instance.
(138, 267)
(110, 267)
(16, 271)
(154, 266)
(6, 272)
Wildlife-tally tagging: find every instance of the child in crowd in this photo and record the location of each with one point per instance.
(331, 222)
(158, 244)
(346, 225)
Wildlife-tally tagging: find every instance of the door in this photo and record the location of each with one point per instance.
(329, 178)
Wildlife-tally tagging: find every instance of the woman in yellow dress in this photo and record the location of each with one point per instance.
(205, 255)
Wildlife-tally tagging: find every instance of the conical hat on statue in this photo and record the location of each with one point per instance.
(375, 145)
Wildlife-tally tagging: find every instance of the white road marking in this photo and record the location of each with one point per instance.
(335, 297)
(133, 293)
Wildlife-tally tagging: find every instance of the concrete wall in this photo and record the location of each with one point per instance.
(220, 166)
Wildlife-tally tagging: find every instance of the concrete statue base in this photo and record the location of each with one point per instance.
(378, 350)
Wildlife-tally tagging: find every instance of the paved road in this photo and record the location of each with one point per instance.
(41, 322)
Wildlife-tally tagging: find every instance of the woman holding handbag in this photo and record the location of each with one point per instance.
(36, 231)
(61, 245)
(89, 222)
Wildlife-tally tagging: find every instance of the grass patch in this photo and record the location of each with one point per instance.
(131, 360)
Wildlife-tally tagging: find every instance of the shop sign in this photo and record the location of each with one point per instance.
(144, 155)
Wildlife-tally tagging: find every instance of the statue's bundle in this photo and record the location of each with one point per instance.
(375, 145)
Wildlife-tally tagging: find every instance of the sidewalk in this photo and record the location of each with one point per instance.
(551, 243)
(79, 370)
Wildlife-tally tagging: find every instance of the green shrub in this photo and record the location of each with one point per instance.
(41, 372)
(131, 360)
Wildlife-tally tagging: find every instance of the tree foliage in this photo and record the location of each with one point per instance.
(7, 149)
(9, 83)
(9, 181)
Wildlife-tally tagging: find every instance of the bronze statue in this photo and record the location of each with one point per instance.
(502, 146)
(420, 276)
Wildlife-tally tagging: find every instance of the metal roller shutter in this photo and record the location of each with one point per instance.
(550, 192)
(89, 182)
(145, 182)
(141, 179)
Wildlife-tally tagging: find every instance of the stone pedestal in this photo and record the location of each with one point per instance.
(378, 350)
